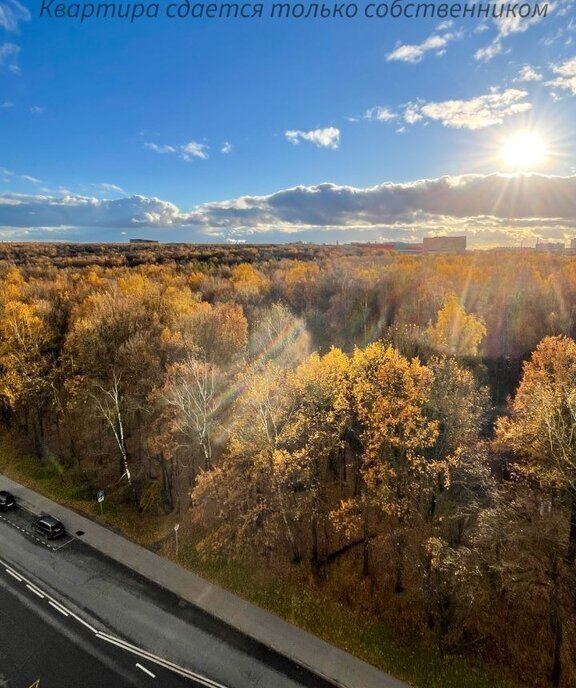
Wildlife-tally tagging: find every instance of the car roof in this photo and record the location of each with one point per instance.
(3, 493)
(50, 521)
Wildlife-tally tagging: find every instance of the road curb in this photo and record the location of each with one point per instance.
(325, 666)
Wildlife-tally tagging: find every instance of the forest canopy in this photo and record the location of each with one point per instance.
(402, 428)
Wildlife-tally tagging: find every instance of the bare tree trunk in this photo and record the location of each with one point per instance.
(556, 625)
(571, 551)
(167, 485)
(111, 411)
(315, 559)
(365, 546)
(399, 567)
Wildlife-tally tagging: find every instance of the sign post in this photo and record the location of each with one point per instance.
(100, 497)
(176, 526)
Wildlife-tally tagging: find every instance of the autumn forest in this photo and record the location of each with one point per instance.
(397, 432)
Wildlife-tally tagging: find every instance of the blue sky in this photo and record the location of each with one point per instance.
(194, 129)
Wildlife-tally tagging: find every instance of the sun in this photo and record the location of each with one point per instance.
(524, 150)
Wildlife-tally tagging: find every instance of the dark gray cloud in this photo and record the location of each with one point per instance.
(489, 206)
(498, 196)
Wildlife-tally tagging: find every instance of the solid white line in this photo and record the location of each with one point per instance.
(14, 575)
(74, 616)
(58, 608)
(145, 670)
(166, 664)
(160, 661)
(84, 623)
(35, 591)
(56, 549)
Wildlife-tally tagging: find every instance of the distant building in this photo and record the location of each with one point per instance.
(444, 244)
(552, 247)
(573, 244)
(144, 241)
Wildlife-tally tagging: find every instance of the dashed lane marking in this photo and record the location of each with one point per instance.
(160, 661)
(145, 670)
(14, 575)
(35, 591)
(123, 644)
(31, 535)
(50, 599)
(58, 608)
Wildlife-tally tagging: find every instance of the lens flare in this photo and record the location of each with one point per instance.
(524, 151)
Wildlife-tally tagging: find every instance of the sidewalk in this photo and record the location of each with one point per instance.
(322, 659)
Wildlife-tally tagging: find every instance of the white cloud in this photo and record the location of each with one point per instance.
(489, 51)
(186, 152)
(11, 176)
(37, 110)
(415, 53)
(159, 149)
(9, 57)
(7, 104)
(193, 149)
(110, 188)
(412, 113)
(328, 137)
(11, 14)
(379, 114)
(20, 210)
(517, 24)
(226, 147)
(476, 113)
(528, 73)
(505, 27)
(566, 76)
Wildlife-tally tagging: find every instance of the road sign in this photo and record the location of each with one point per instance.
(100, 496)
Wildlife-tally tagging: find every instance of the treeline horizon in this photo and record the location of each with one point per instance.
(400, 427)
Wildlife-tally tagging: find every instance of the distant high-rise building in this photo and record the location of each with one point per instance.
(444, 244)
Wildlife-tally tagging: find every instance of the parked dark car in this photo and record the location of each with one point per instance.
(7, 501)
(49, 527)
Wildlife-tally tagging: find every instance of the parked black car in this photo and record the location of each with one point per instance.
(49, 527)
(7, 501)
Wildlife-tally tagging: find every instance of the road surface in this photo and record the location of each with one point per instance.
(41, 647)
(112, 603)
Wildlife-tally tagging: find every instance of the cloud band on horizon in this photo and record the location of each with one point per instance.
(528, 202)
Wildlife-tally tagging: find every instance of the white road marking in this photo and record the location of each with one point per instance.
(145, 670)
(14, 575)
(35, 591)
(186, 673)
(84, 623)
(58, 608)
(144, 654)
(55, 549)
(50, 598)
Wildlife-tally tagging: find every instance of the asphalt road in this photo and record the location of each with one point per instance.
(109, 599)
(41, 647)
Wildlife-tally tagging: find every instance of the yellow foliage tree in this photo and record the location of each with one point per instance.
(455, 331)
(541, 430)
